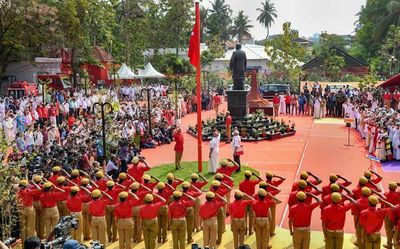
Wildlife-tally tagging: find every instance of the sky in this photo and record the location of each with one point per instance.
(307, 16)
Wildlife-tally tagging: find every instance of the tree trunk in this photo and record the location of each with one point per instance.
(73, 67)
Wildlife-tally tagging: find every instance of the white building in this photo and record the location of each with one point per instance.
(257, 59)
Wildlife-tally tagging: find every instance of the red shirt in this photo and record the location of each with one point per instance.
(52, 111)
(295, 186)
(327, 200)
(85, 197)
(137, 171)
(150, 211)
(275, 183)
(178, 137)
(62, 196)
(123, 210)
(48, 199)
(334, 215)
(217, 100)
(26, 196)
(372, 218)
(114, 194)
(261, 207)
(76, 180)
(393, 197)
(150, 185)
(357, 192)
(237, 209)
(71, 121)
(102, 183)
(177, 209)
(74, 204)
(199, 185)
(287, 99)
(248, 186)
(276, 100)
(97, 208)
(361, 205)
(221, 191)
(210, 209)
(387, 96)
(191, 192)
(53, 179)
(227, 170)
(228, 120)
(300, 214)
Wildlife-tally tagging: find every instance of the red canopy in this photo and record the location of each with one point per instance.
(392, 82)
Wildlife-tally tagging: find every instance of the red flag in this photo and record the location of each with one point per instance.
(194, 43)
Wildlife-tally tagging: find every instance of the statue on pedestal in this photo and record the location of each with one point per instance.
(238, 66)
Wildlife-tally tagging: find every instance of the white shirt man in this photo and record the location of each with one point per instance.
(236, 145)
(214, 152)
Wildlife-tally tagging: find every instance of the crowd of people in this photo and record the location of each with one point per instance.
(137, 206)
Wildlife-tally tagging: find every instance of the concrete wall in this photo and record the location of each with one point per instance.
(23, 71)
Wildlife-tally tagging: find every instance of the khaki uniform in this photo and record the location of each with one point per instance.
(334, 239)
(111, 226)
(39, 219)
(250, 218)
(51, 218)
(389, 226)
(189, 223)
(301, 238)
(77, 233)
(272, 220)
(220, 224)
(98, 227)
(372, 241)
(178, 229)
(238, 227)
(62, 208)
(197, 214)
(87, 234)
(162, 223)
(359, 233)
(27, 222)
(210, 232)
(261, 227)
(150, 228)
(125, 231)
(137, 224)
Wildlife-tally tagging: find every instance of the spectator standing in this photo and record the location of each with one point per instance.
(179, 141)
(237, 148)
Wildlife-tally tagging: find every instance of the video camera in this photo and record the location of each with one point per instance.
(62, 231)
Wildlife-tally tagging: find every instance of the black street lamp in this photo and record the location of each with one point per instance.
(42, 83)
(85, 84)
(102, 106)
(148, 90)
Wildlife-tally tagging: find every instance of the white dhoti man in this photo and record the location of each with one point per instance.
(214, 154)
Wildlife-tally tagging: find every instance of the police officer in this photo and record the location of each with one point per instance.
(162, 217)
(221, 191)
(137, 222)
(86, 198)
(39, 222)
(62, 196)
(27, 213)
(195, 193)
(199, 185)
(273, 181)
(176, 212)
(110, 205)
(361, 205)
(393, 197)
(148, 213)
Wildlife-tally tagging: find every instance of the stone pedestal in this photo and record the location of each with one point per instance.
(237, 103)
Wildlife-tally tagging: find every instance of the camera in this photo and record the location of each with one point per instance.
(62, 231)
(10, 241)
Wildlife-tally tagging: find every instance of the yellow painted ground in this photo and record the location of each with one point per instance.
(329, 121)
(282, 240)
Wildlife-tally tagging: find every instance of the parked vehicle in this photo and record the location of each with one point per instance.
(247, 87)
(268, 91)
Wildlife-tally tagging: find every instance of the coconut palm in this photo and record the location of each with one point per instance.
(386, 16)
(219, 19)
(267, 15)
(241, 25)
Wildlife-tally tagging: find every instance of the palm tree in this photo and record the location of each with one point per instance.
(203, 22)
(385, 16)
(219, 19)
(267, 15)
(241, 25)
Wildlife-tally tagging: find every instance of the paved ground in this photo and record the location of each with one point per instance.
(317, 146)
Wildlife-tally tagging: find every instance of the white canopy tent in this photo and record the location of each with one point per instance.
(150, 73)
(125, 73)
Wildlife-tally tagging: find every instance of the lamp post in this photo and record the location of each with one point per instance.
(85, 84)
(42, 83)
(392, 61)
(148, 90)
(102, 106)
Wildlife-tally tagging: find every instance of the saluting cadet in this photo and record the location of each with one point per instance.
(62, 196)
(195, 193)
(148, 213)
(75, 178)
(273, 180)
(110, 206)
(85, 198)
(137, 169)
(176, 218)
(303, 186)
(56, 173)
(333, 179)
(48, 201)
(26, 213)
(100, 181)
(208, 213)
(221, 191)
(333, 219)
(97, 210)
(372, 181)
(74, 207)
(39, 222)
(300, 219)
(304, 176)
(123, 219)
(362, 204)
(199, 185)
(162, 217)
(137, 222)
(393, 197)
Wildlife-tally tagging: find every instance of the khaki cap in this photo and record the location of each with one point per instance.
(262, 184)
(75, 189)
(85, 181)
(367, 174)
(215, 183)
(247, 173)
(47, 185)
(123, 195)
(23, 182)
(262, 192)
(110, 183)
(135, 185)
(334, 187)
(122, 176)
(373, 200)
(96, 193)
(239, 193)
(363, 180)
(302, 184)
(146, 177)
(194, 176)
(392, 185)
(210, 194)
(37, 178)
(304, 175)
(177, 194)
(99, 174)
(366, 191)
(333, 178)
(301, 196)
(186, 184)
(224, 162)
(60, 179)
(149, 198)
(160, 185)
(170, 176)
(336, 197)
(219, 176)
(56, 169)
(75, 172)
(135, 160)
(269, 174)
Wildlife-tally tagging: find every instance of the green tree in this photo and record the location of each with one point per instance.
(241, 25)
(389, 14)
(267, 15)
(389, 54)
(27, 28)
(215, 50)
(219, 20)
(285, 55)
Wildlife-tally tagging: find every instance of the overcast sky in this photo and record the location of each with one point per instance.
(307, 16)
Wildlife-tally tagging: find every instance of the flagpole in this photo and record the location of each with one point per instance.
(198, 92)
